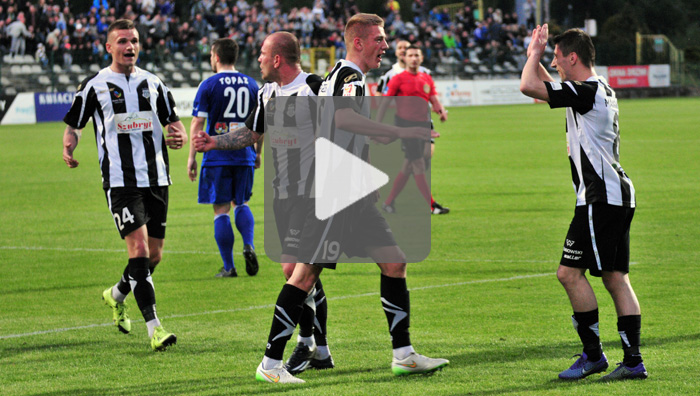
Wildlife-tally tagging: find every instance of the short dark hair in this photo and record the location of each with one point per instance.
(120, 24)
(286, 45)
(578, 41)
(226, 49)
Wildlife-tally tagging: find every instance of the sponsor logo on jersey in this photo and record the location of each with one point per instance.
(349, 90)
(220, 128)
(140, 121)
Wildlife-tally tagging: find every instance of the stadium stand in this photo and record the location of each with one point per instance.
(65, 47)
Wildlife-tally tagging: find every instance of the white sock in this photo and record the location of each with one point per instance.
(322, 352)
(403, 352)
(308, 341)
(269, 364)
(152, 324)
(117, 295)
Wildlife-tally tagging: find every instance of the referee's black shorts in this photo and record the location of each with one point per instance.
(413, 148)
(599, 239)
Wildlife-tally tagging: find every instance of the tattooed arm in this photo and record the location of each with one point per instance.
(71, 137)
(234, 140)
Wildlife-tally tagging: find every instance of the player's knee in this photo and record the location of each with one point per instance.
(614, 280)
(288, 269)
(155, 258)
(567, 275)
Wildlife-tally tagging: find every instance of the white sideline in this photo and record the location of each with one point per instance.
(166, 251)
(268, 306)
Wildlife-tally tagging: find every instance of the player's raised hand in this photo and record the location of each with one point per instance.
(538, 41)
(203, 142)
(177, 136)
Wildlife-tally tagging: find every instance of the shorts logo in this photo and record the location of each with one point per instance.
(570, 243)
(293, 232)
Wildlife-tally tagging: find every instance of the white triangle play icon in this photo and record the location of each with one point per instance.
(342, 179)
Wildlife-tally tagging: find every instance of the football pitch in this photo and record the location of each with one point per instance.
(487, 297)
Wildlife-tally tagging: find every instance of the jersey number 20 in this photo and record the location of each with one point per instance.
(241, 99)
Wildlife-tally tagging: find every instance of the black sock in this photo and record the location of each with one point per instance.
(321, 315)
(140, 279)
(306, 320)
(586, 324)
(630, 328)
(287, 312)
(397, 307)
(123, 286)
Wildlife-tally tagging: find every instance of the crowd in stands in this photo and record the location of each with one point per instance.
(51, 31)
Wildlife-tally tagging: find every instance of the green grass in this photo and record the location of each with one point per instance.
(486, 298)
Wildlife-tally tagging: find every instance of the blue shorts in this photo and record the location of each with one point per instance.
(223, 184)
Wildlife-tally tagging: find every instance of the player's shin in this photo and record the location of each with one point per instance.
(586, 325)
(287, 312)
(629, 328)
(396, 303)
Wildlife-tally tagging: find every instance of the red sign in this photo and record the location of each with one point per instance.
(628, 76)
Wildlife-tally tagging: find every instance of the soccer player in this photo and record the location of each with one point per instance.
(224, 101)
(366, 43)
(128, 106)
(280, 65)
(598, 237)
(397, 68)
(413, 82)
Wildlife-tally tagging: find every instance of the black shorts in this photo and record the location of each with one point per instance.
(290, 215)
(133, 207)
(413, 148)
(318, 241)
(365, 228)
(599, 239)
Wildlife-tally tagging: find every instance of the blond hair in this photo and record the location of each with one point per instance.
(358, 24)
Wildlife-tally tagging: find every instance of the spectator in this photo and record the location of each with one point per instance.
(18, 33)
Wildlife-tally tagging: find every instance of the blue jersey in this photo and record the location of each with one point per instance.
(225, 100)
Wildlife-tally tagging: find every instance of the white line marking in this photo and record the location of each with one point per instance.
(269, 306)
(165, 251)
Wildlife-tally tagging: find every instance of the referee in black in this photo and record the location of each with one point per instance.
(134, 119)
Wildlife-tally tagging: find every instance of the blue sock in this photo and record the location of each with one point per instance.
(223, 233)
(245, 223)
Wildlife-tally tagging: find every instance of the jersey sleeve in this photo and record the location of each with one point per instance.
(350, 84)
(165, 105)
(200, 106)
(431, 82)
(256, 118)
(578, 95)
(83, 105)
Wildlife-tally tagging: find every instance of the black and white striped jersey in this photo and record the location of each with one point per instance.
(128, 115)
(287, 116)
(593, 141)
(347, 84)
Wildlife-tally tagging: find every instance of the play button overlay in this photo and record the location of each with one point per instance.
(327, 189)
(342, 179)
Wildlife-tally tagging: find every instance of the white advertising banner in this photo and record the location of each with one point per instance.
(184, 99)
(20, 111)
(659, 76)
(480, 92)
